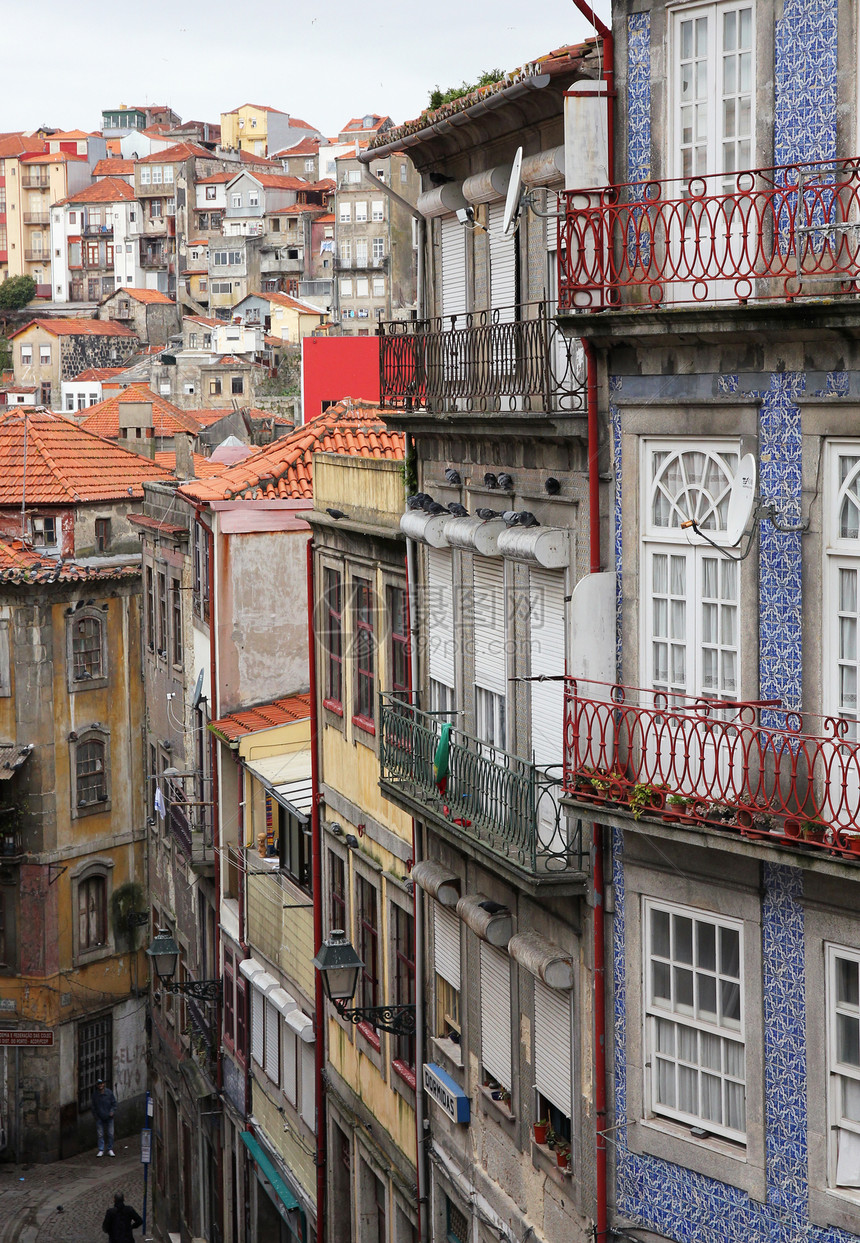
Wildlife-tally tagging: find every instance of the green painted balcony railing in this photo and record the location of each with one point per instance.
(502, 801)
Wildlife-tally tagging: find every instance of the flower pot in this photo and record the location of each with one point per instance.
(541, 1133)
(562, 1158)
(791, 827)
(745, 819)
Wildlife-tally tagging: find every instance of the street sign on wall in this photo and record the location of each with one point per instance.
(25, 1038)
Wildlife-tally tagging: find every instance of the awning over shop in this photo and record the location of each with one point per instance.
(268, 1170)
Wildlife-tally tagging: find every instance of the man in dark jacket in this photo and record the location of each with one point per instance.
(120, 1221)
(104, 1108)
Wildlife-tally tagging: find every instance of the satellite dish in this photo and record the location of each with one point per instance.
(741, 500)
(198, 692)
(511, 217)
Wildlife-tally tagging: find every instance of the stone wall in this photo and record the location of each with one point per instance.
(79, 353)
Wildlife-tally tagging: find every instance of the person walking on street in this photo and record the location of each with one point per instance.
(104, 1108)
(120, 1221)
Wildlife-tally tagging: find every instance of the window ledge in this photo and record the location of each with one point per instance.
(406, 1073)
(449, 1049)
(370, 1034)
(365, 724)
(497, 1109)
(333, 706)
(544, 1158)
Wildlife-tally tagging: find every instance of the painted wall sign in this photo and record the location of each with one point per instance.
(24, 1038)
(445, 1092)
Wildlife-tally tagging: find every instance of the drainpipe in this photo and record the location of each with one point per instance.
(599, 938)
(316, 841)
(418, 899)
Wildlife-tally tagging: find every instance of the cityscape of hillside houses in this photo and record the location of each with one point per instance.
(429, 605)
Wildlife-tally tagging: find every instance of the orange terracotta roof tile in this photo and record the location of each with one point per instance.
(357, 123)
(51, 157)
(98, 373)
(307, 146)
(204, 467)
(147, 296)
(245, 157)
(68, 135)
(284, 469)
(103, 419)
(279, 181)
(173, 155)
(296, 209)
(156, 525)
(288, 301)
(107, 190)
(237, 725)
(214, 179)
(259, 107)
(66, 464)
(113, 168)
(329, 219)
(20, 563)
(298, 123)
(76, 328)
(12, 145)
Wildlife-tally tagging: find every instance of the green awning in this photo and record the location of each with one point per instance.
(280, 1187)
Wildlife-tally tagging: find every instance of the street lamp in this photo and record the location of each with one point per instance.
(164, 952)
(340, 966)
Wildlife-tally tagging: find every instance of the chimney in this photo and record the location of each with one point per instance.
(182, 442)
(136, 428)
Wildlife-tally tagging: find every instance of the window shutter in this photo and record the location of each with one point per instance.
(272, 1043)
(496, 1014)
(5, 660)
(453, 266)
(546, 611)
(257, 1027)
(439, 611)
(489, 621)
(309, 1085)
(553, 1046)
(289, 1072)
(503, 262)
(446, 929)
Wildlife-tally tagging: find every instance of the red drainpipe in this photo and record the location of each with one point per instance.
(601, 1189)
(316, 841)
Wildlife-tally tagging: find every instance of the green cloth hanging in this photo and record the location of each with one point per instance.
(440, 759)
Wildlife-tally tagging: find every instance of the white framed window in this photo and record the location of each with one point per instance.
(26, 355)
(695, 1057)
(309, 166)
(378, 247)
(360, 211)
(361, 287)
(235, 200)
(346, 287)
(843, 1065)
(691, 638)
(345, 213)
(713, 66)
(45, 355)
(490, 648)
(145, 179)
(378, 209)
(157, 174)
(253, 198)
(438, 608)
(168, 174)
(842, 583)
(495, 1017)
(354, 176)
(361, 252)
(379, 286)
(346, 252)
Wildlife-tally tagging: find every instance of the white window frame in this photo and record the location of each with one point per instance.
(346, 287)
(378, 247)
(681, 1016)
(838, 1073)
(841, 553)
(694, 551)
(361, 211)
(235, 200)
(345, 213)
(713, 91)
(377, 209)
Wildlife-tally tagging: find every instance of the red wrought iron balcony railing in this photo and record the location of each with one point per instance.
(752, 768)
(505, 359)
(774, 233)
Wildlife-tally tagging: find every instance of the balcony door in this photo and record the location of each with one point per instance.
(690, 618)
(445, 363)
(547, 659)
(708, 230)
(842, 627)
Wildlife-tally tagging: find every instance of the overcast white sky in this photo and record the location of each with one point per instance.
(207, 58)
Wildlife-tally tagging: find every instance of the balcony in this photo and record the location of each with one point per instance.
(37, 256)
(753, 769)
(499, 802)
(35, 181)
(153, 260)
(97, 230)
(37, 217)
(506, 359)
(191, 832)
(779, 233)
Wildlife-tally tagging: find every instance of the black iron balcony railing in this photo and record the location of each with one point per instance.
(505, 359)
(502, 801)
(35, 181)
(781, 233)
(37, 217)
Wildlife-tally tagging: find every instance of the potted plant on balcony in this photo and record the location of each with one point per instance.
(608, 785)
(812, 832)
(541, 1131)
(562, 1155)
(676, 806)
(644, 797)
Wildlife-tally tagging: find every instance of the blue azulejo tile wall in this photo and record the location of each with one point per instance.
(805, 75)
(686, 1206)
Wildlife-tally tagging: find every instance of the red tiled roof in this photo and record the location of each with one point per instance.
(259, 107)
(173, 155)
(329, 219)
(204, 467)
(350, 155)
(12, 145)
(76, 328)
(98, 373)
(144, 295)
(279, 181)
(298, 123)
(155, 524)
(65, 463)
(296, 209)
(68, 135)
(284, 470)
(214, 179)
(51, 157)
(113, 168)
(108, 190)
(245, 157)
(237, 725)
(201, 319)
(357, 123)
(19, 563)
(287, 300)
(103, 419)
(307, 146)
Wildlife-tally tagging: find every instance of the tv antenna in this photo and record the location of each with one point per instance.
(515, 197)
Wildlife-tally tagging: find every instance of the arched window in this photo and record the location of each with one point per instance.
(90, 777)
(691, 484)
(87, 648)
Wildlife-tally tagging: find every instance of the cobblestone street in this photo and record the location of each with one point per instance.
(30, 1196)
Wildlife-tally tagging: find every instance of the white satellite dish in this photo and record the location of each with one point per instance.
(512, 202)
(741, 500)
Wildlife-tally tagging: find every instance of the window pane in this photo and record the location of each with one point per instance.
(660, 978)
(850, 1099)
(683, 938)
(660, 933)
(847, 982)
(848, 1039)
(706, 946)
(666, 1083)
(729, 952)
